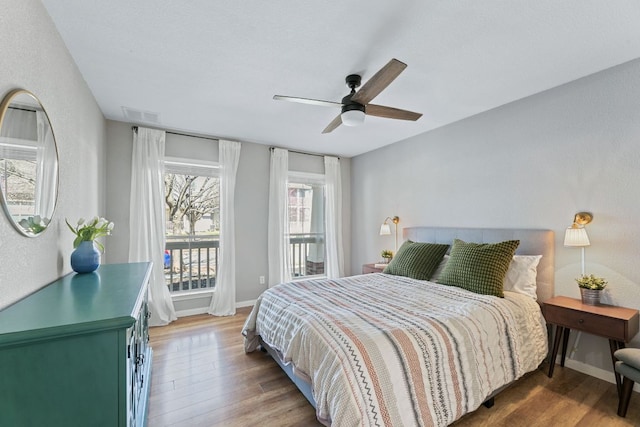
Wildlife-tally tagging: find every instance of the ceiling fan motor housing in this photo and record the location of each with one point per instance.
(349, 105)
(352, 112)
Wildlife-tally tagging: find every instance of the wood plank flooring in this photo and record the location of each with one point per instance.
(202, 377)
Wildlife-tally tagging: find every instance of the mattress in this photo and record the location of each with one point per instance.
(384, 350)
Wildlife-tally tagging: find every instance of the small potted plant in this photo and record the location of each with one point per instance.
(591, 288)
(386, 255)
(86, 258)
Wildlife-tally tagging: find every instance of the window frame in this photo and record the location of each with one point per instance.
(310, 178)
(201, 168)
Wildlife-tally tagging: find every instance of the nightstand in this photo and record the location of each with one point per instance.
(618, 324)
(371, 268)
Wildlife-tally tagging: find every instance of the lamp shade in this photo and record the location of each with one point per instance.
(385, 230)
(575, 236)
(352, 117)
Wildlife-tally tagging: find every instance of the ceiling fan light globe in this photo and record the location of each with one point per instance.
(352, 117)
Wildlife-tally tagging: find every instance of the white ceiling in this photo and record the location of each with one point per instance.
(212, 67)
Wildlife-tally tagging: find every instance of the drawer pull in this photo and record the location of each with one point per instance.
(580, 321)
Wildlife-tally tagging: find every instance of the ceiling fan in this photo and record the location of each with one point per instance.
(356, 104)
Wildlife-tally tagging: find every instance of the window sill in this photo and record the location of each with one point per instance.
(185, 296)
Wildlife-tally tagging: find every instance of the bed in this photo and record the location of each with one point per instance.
(382, 349)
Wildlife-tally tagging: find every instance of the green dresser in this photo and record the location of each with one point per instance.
(76, 353)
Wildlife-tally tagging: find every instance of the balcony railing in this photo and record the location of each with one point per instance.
(299, 248)
(192, 264)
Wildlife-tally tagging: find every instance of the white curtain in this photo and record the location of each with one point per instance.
(279, 259)
(335, 257)
(223, 302)
(46, 168)
(317, 226)
(147, 218)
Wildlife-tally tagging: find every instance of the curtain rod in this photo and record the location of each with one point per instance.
(303, 152)
(135, 129)
(211, 138)
(22, 109)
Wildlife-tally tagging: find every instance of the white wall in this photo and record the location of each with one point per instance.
(35, 58)
(252, 202)
(532, 164)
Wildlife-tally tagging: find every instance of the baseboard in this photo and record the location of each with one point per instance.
(203, 310)
(599, 373)
(191, 311)
(248, 303)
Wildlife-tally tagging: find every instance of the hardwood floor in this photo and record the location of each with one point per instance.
(202, 377)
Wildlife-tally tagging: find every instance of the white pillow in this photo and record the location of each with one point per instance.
(439, 268)
(521, 275)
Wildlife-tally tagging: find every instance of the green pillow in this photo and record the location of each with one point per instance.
(416, 260)
(479, 267)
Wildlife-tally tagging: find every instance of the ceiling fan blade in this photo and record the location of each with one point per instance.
(379, 81)
(391, 113)
(307, 101)
(334, 124)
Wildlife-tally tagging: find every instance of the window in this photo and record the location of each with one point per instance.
(192, 207)
(306, 202)
(18, 161)
(18, 177)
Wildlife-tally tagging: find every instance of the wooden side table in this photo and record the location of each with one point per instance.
(618, 324)
(371, 268)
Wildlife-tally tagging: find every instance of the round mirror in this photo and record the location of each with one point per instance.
(28, 163)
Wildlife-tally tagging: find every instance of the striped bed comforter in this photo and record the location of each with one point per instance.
(382, 350)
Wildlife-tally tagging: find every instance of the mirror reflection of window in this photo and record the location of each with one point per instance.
(18, 159)
(28, 163)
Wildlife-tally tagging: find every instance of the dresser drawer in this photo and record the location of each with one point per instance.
(596, 324)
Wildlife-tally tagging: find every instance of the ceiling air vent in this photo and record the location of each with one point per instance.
(139, 116)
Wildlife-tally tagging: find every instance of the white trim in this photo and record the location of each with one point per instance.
(18, 149)
(306, 177)
(203, 310)
(185, 296)
(173, 165)
(191, 162)
(192, 311)
(23, 144)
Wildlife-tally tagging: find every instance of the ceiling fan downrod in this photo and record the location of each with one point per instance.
(353, 81)
(352, 112)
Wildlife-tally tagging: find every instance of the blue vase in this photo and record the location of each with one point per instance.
(85, 258)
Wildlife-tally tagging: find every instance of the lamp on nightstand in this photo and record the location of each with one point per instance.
(576, 235)
(385, 229)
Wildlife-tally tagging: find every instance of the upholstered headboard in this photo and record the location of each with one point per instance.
(532, 242)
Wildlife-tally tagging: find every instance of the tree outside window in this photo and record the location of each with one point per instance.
(189, 200)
